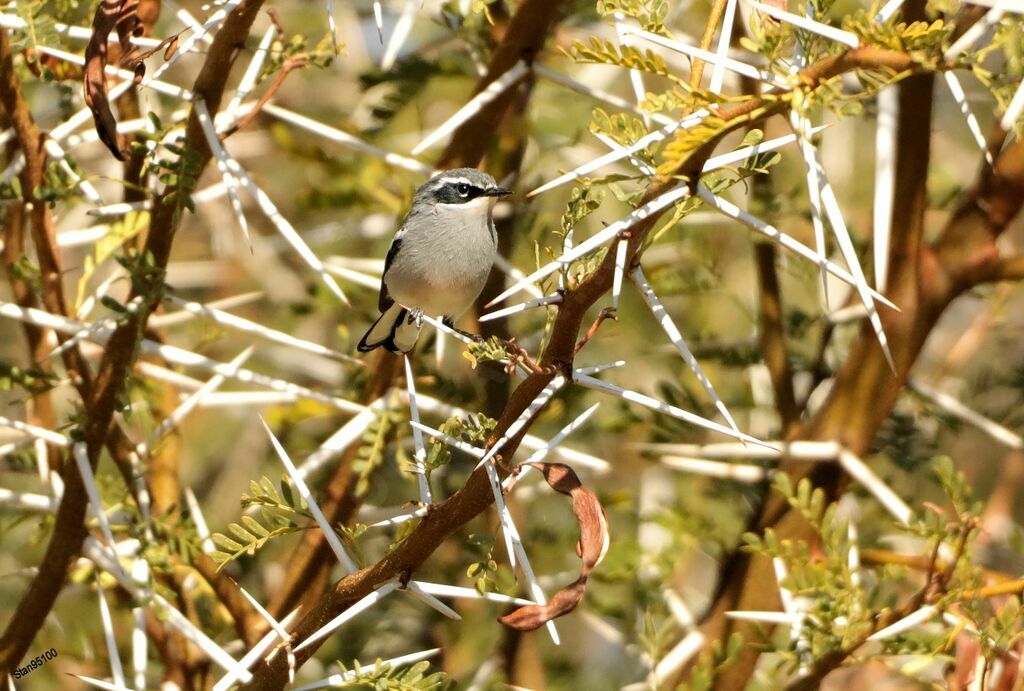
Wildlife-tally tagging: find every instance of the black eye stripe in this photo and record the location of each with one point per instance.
(458, 192)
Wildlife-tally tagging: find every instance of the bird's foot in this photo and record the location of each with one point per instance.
(450, 323)
(416, 317)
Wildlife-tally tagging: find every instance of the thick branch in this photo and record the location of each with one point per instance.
(101, 394)
(475, 495)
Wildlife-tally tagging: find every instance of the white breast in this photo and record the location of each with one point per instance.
(444, 260)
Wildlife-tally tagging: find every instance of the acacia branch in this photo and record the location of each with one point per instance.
(475, 496)
(1009, 269)
(714, 17)
(100, 394)
(306, 575)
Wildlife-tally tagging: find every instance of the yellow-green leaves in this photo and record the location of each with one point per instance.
(133, 223)
(608, 53)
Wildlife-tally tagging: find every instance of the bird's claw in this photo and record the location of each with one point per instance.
(416, 317)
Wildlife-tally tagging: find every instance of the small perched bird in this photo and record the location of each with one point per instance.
(439, 258)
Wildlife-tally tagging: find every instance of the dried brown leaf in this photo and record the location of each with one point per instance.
(591, 548)
(111, 15)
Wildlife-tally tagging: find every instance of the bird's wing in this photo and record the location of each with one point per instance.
(385, 301)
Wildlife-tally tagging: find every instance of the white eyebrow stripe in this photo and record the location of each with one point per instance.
(453, 181)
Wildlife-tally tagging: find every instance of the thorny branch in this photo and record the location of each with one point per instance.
(475, 496)
(101, 393)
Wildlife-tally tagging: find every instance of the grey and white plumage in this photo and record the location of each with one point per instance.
(439, 259)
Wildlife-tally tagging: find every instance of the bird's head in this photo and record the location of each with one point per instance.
(461, 189)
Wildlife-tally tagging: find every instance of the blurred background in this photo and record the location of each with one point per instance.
(669, 528)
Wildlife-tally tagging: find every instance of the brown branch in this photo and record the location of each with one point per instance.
(100, 394)
(475, 495)
(1006, 269)
(772, 336)
(710, 26)
(291, 64)
(524, 39)
(524, 36)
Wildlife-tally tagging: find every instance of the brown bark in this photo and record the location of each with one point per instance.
(100, 394)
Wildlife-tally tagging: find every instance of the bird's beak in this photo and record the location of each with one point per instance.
(497, 192)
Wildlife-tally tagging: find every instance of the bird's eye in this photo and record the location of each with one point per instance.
(462, 188)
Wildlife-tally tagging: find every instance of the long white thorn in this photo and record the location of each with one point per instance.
(81, 456)
(597, 94)
(801, 125)
(363, 604)
(885, 181)
(189, 404)
(953, 406)
(140, 641)
(719, 469)
(189, 630)
(674, 335)
(860, 472)
(636, 78)
(378, 19)
(617, 155)
(177, 356)
(780, 238)
(553, 299)
(474, 105)
(282, 225)
(888, 10)
(345, 139)
(707, 56)
(194, 37)
(202, 529)
(332, 539)
(661, 407)
(524, 418)
(249, 326)
(633, 160)
(454, 591)
(847, 38)
(675, 658)
(399, 35)
(108, 632)
(974, 33)
(224, 166)
(449, 440)
(256, 653)
(905, 624)
(399, 519)
(56, 152)
(275, 626)
(508, 527)
(414, 589)
(153, 83)
(803, 450)
(332, 25)
(37, 432)
(336, 444)
(960, 97)
(420, 456)
(842, 235)
(96, 683)
(598, 239)
(667, 199)
(724, 40)
(542, 453)
(620, 269)
(1013, 110)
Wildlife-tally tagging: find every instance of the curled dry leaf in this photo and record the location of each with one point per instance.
(591, 548)
(119, 15)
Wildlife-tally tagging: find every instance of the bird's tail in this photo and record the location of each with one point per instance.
(391, 331)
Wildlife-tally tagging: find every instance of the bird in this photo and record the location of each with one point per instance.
(439, 259)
